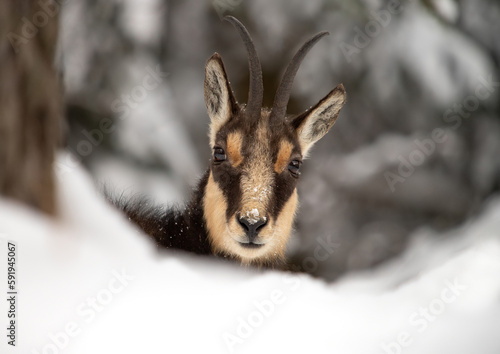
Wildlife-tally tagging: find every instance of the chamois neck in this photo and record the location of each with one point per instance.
(185, 229)
(193, 211)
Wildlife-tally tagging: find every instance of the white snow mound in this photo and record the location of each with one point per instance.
(90, 283)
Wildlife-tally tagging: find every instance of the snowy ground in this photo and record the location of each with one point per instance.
(90, 283)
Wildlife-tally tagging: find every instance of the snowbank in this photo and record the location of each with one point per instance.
(90, 283)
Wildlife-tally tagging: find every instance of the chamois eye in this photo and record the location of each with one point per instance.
(219, 155)
(294, 167)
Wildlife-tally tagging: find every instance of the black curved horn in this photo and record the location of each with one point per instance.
(283, 93)
(256, 90)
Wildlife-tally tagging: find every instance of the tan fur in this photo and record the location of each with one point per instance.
(283, 156)
(234, 143)
(215, 206)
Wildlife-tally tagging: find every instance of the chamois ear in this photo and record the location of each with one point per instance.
(314, 123)
(219, 98)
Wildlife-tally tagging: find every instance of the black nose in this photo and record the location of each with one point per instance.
(252, 227)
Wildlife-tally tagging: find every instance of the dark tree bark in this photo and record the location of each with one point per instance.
(30, 102)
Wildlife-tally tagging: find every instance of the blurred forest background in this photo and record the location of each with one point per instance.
(415, 150)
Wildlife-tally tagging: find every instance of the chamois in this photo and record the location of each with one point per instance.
(244, 205)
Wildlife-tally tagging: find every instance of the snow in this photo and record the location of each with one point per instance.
(90, 283)
(253, 216)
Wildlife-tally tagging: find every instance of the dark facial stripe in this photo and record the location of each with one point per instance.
(228, 180)
(283, 189)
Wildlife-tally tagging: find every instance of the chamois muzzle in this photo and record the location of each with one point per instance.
(252, 228)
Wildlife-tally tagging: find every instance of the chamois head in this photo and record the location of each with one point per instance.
(251, 198)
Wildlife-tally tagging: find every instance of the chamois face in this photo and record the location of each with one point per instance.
(251, 198)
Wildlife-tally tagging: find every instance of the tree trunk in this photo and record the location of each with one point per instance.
(30, 102)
